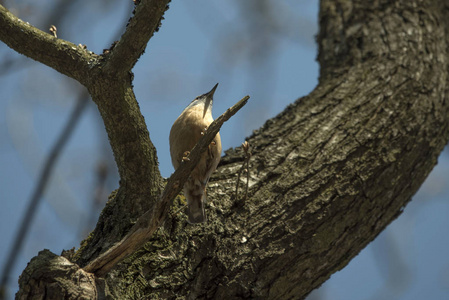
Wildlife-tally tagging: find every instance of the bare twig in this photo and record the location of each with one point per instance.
(246, 148)
(150, 221)
(238, 181)
(40, 187)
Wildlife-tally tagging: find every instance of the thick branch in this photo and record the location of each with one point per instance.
(58, 54)
(149, 222)
(147, 18)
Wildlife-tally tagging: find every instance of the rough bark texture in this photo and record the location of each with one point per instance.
(57, 277)
(326, 175)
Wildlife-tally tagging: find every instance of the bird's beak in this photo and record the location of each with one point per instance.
(209, 97)
(212, 91)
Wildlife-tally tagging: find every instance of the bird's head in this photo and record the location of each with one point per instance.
(205, 99)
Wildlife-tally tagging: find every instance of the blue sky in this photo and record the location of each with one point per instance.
(199, 44)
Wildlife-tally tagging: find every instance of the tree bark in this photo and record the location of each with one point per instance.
(327, 175)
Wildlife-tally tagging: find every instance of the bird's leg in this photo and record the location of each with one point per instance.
(185, 156)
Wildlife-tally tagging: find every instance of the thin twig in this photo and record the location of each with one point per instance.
(247, 175)
(238, 182)
(150, 221)
(247, 150)
(41, 186)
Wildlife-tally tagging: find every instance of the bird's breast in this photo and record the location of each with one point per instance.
(187, 130)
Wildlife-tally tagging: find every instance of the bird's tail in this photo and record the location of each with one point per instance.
(195, 205)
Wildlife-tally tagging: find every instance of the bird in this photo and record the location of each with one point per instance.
(184, 134)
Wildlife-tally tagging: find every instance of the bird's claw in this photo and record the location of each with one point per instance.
(186, 156)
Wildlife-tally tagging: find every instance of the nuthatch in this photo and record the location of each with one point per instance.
(184, 134)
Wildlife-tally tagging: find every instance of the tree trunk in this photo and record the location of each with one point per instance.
(326, 176)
